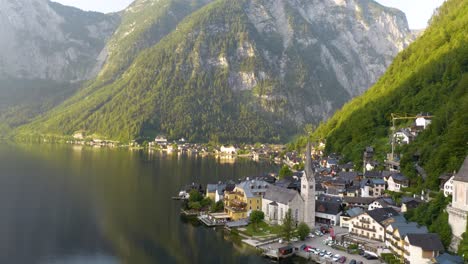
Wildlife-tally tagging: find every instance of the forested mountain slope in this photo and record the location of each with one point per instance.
(429, 76)
(249, 70)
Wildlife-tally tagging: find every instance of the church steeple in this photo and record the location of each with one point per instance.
(308, 162)
(308, 190)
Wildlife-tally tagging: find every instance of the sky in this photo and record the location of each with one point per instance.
(417, 12)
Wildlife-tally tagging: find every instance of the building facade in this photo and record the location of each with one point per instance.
(458, 209)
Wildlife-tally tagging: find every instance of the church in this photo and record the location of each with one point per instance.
(458, 209)
(277, 201)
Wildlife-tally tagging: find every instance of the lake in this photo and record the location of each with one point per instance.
(63, 204)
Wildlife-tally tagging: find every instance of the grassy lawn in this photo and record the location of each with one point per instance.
(263, 229)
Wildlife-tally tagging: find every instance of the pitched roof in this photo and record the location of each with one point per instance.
(358, 200)
(382, 214)
(355, 211)
(280, 195)
(253, 188)
(449, 259)
(462, 174)
(429, 241)
(328, 207)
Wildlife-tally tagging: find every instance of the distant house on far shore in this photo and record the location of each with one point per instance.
(228, 150)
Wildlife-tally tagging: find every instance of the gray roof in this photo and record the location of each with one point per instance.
(429, 241)
(405, 228)
(331, 208)
(253, 188)
(449, 259)
(462, 174)
(280, 195)
(399, 177)
(355, 211)
(382, 214)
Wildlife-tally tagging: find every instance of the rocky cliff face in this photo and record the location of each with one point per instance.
(45, 40)
(237, 70)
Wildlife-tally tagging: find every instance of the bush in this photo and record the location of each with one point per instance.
(303, 231)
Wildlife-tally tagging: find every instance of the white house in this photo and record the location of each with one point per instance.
(421, 248)
(371, 224)
(228, 150)
(396, 182)
(161, 140)
(423, 122)
(350, 213)
(403, 136)
(448, 187)
(328, 212)
(277, 201)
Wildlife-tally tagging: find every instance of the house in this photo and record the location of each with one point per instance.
(423, 121)
(348, 167)
(372, 187)
(448, 187)
(362, 202)
(396, 232)
(403, 136)
(458, 209)
(443, 178)
(328, 212)
(350, 213)
(383, 203)
(396, 182)
(371, 224)
(421, 248)
(161, 140)
(277, 201)
(367, 156)
(408, 203)
(229, 150)
(79, 135)
(244, 198)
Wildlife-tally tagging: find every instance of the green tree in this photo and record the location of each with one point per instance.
(463, 247)
(303, 230)
(256, 217)
(195, 196)
(217, 207)
(284, 172)
(288, 226)
(206, 202)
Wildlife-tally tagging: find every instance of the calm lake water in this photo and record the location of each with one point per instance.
(63, 204)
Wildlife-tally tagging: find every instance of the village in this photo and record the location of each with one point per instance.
(330, 211)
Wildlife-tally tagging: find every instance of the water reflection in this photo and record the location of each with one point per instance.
(64, 204)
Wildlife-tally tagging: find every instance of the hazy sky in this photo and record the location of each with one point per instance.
(418, 12)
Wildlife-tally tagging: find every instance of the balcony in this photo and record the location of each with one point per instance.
(365, 228)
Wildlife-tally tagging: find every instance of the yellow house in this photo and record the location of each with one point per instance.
(245, 198)
(396, 232)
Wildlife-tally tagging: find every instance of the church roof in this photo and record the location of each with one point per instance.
(280, 195)
(462, 174)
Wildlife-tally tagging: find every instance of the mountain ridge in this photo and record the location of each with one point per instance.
(262, 86)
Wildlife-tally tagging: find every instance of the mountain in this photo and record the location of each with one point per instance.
(248, 70)
(429, 76)
(47, 51)
(48, 41)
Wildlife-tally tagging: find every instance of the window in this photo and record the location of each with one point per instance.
(304, 186)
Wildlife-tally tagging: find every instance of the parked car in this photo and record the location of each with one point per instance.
(336, 257)
(369, 257)
(342, 259)
(353, 261)
(294, 239)
(311, 235)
